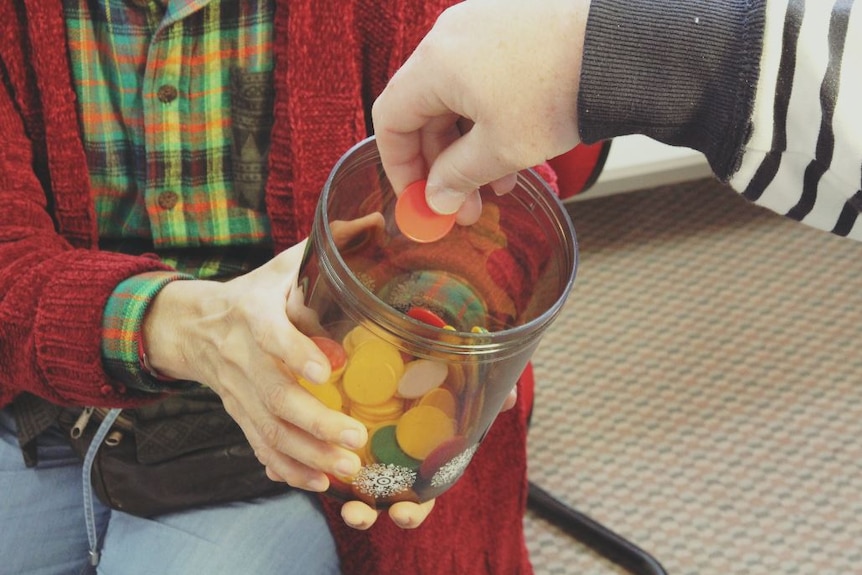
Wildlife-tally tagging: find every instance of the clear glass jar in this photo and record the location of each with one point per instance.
(427, 339)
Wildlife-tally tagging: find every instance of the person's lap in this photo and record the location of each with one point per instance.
(43, 528)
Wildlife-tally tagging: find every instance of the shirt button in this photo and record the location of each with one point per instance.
(167, 200)
(167, 93)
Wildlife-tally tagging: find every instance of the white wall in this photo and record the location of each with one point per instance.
(637, 162)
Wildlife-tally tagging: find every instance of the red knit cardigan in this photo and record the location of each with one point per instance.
(332, 57)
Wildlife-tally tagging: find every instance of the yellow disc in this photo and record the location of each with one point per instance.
(422, 429)
(372, 415)
(392, 408)
(442, 399)
(356, 337)
(380, 351)
(335, 377)
(326, 393)
(367, 381)
(345, 401)
(368, 421)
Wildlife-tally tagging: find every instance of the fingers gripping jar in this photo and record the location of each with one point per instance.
(426, 340)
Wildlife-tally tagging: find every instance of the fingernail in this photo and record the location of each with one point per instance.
(405, 522)
(314, 372)
(351, 438)
(346, 467)
(360, 525)
(444, 200)
(317, 484)
(351, 523)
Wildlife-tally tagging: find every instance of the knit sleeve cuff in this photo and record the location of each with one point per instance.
(121, 331)
(683, 73)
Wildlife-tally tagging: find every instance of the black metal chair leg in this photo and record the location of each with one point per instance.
(593, 534)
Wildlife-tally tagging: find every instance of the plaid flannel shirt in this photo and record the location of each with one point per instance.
(175, 101)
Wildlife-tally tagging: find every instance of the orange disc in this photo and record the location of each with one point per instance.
(416, 220)
(442, 399)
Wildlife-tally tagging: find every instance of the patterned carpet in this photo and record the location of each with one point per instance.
(700, 394)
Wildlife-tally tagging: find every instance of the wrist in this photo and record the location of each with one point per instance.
(145, 361)
(165, 333)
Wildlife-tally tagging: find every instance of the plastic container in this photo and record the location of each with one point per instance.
(427, 339)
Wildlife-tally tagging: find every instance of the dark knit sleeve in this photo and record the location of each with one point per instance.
(682, 72)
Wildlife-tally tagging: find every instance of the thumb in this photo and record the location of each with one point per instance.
(468, 163)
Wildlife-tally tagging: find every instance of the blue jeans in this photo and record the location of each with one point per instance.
(42, 528)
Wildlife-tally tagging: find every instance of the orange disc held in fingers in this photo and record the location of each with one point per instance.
(416, 219)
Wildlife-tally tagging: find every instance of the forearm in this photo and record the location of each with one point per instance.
(52, 305)
(52, 294)
(764, 88)
(683, 73)
(803, 155)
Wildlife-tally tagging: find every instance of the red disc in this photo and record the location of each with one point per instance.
(425, 316)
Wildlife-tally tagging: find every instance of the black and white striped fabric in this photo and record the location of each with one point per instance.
(804, 156)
